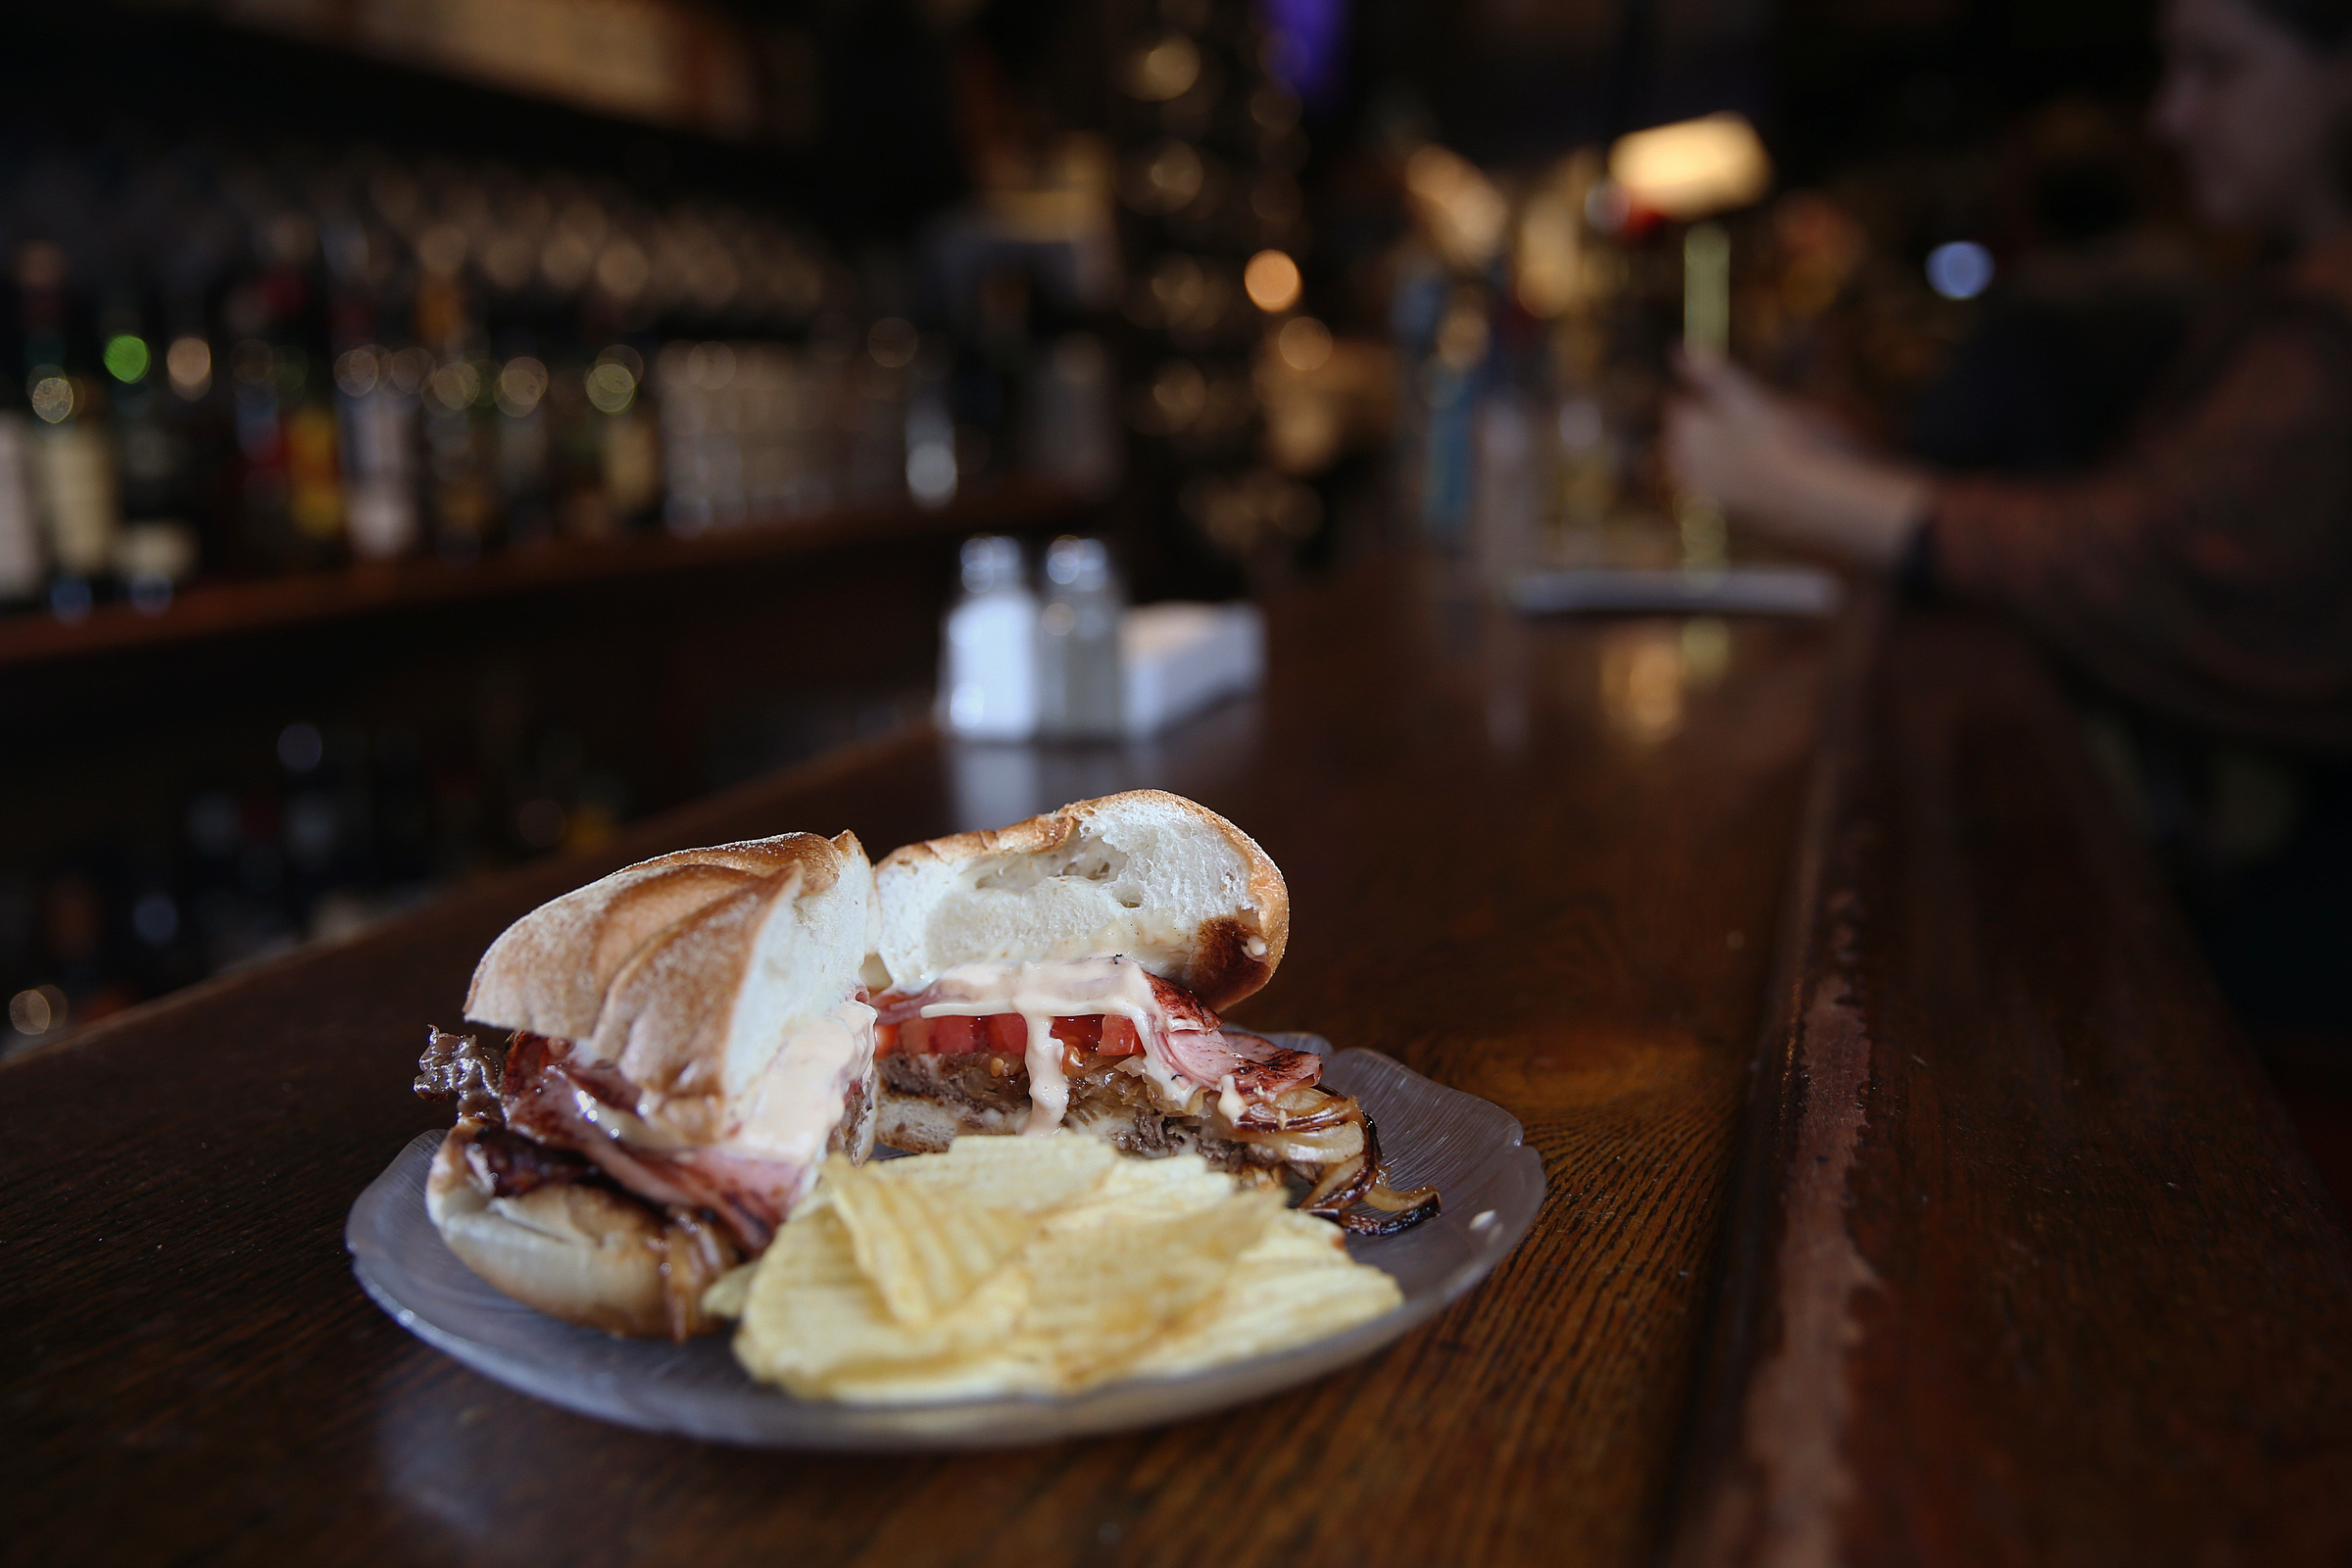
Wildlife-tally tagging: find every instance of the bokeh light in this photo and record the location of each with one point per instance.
(1694, 167)
(358, 372)
(1304, 343)
(126, 357)
(1960, 271)
(520, 387)
(1163, 70)
(611, 387)
(893, 342)
(52, 395)
(1272, 279)
(189, 362)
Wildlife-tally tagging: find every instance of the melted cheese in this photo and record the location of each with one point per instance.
(1061, 988)
(794, 1104)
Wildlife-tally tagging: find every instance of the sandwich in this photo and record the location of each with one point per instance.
(688, 1040)
(1067, 971)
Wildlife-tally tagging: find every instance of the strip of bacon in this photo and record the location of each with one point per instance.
(1260, 1068)
(750, 1197)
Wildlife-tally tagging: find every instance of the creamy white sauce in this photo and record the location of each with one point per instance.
(1048, 1085)
(1230, 1101)
(1061, 988)
(794, 1104)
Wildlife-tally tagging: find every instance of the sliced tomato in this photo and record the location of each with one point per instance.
(1005, 1034)
(1120, 1037)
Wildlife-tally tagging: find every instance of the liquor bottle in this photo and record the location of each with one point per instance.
(522, 448)
(377, 377)
(461, 500)
(314, 469)
(73, 469)
(376, 411)
(24, 565)
(24, 558)
(262, 523)
(157, 548)
(625, 430)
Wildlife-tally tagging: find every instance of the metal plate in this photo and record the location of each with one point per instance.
(1469, 1148)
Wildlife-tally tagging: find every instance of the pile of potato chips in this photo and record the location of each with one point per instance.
(1033, 1265)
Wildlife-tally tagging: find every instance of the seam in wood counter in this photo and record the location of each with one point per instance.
(2027, 1265)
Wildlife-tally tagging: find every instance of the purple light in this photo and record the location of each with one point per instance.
(1309, 37)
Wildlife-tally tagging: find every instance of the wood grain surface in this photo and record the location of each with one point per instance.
(1540, 863)
(2027, 1265)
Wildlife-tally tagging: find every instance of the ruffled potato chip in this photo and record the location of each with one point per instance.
(813, 1317)
(1293, 1288)
(1035, 1265)
(928, 1229)
(1101, 1290)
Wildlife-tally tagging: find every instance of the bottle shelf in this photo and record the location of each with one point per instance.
(209, 610)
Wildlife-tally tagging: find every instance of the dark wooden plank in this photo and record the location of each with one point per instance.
(1540, 863)
(2028, 1265)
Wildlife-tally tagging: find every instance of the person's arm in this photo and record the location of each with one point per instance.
(2207, 570)
(1760, 456)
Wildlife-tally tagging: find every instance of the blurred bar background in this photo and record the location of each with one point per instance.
(437, 432)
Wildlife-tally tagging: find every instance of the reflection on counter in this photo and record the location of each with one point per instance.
(1648, 669)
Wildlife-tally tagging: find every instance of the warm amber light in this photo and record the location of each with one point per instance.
(1165, 69)
(1272, 279)
(1694, 167)
(1463, 209)
(1304, 343)
(519, 386)
(189, 362)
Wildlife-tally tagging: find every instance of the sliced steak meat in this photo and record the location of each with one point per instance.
(506, 1165)
(977, 1080)
(462, 1068)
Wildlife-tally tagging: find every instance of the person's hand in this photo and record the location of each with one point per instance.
(1771, 464)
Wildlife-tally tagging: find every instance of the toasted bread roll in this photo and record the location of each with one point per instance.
(577, 1251)
(689, 971)
(1148, 874)
(703, 1047)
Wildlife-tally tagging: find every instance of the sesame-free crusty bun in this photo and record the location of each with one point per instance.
(687, 1047)
(688, 971)
(577, 1251)
(1144, 874)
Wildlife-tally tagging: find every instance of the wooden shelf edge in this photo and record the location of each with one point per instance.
(234, 609)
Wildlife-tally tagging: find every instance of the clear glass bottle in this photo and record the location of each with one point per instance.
(1078, 642)
(988, 686)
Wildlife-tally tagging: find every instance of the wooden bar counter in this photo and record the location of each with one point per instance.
(1910, 1197)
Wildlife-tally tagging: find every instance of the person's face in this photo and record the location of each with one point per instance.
(2254, 110)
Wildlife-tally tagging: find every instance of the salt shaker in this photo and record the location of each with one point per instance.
(989, 686)
(1078, 642)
